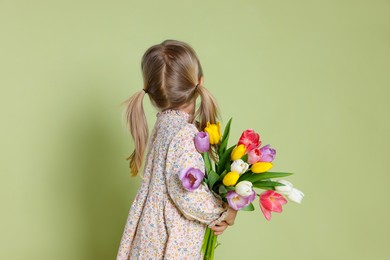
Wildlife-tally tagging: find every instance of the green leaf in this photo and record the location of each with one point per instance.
(225, 156)
(264, 184)
(266, 175)
(207, 161)
(212, 178)
(222, 175)
(222, 190)
(228, 165)
(245, 157)
(225, 137)
(250, 207)
(245, 176)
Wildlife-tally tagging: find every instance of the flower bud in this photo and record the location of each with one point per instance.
(214, 131)
(250, 139)
(238, 152)
(296, 195)
(239, 166)
(261, 167)
(286, 189)
(202, 142)
(267, 154)
(231, 178)
(244, 188)
(254, 156)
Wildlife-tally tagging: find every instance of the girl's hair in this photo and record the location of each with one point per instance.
(171, 74)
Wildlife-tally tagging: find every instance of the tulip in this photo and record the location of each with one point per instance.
(191, 178)
(252, 197)
(286, 189)
(214, 131)
(261, 167)
(238, 152)
(271, 201)
(238, 202)
(291, 193)
(244, 188)
(267, 154)
(250, 139)
(231, 178)
(296, 196)
(254, 156)
(239, 166)
(202, 142)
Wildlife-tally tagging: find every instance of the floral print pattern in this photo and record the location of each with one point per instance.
(165, 220)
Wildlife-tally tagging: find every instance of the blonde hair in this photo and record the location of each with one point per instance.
(171, 73)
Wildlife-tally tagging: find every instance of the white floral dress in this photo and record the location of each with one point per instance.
(165, 220)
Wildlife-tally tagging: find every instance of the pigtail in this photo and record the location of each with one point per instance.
(208, 110)
(138, 126)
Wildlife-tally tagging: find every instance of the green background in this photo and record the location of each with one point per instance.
(311, 76)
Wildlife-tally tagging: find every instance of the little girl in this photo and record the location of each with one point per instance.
(165, 220)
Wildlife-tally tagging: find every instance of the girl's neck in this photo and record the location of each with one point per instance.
(188, 109)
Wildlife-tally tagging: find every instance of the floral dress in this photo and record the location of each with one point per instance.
(165, 220)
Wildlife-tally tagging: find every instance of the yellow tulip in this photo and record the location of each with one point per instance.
(261, 167)
(231, 178)
(214, 131)
(238, 152)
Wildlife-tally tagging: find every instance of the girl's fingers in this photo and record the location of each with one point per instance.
(222, 224)
(218, 229)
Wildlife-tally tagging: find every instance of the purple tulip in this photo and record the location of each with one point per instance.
(252, 197)
(238, 202)
(202, 142)
(191, 178)
(267, 154)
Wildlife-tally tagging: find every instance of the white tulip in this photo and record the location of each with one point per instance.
(295, 195)
(239, 166)
(286, 189)
(244, 188)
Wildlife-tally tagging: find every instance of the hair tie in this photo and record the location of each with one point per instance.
(146, 92)
(196, 87)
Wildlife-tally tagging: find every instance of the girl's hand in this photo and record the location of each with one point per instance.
(231, 216)
(219, 228)
(229, 221)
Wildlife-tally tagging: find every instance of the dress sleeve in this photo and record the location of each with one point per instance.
(202, 204)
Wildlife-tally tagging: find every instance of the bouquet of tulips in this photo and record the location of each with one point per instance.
(233, 173)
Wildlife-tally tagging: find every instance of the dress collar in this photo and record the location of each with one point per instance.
(175, 112)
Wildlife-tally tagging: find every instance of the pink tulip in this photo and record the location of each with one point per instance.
(267, 154)
(254, 156)
(250, 139)
(271, 201)
(191, 178)
(202, 142)
(238, 202)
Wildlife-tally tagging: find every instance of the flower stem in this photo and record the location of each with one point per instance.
(205, 242)
(214, 241)
(209, 245)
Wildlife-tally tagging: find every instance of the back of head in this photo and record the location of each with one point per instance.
(171, 74)
(171, 70)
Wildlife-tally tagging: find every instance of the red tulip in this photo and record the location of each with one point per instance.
(250, 139)
(254, 156)
(271, 201)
